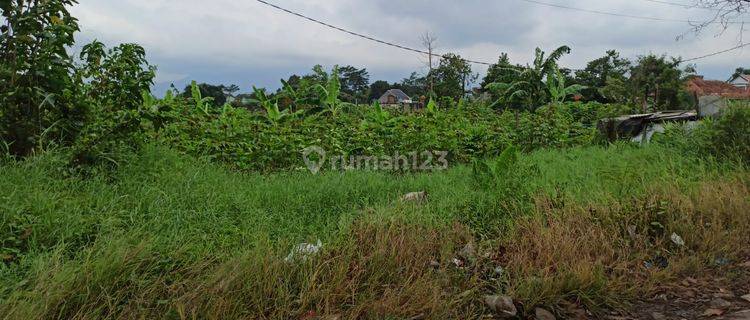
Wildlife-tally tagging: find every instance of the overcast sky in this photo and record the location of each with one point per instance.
(246, 43)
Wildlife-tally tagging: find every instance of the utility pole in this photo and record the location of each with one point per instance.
(429, 41)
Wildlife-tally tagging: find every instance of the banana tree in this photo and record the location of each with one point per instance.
(201, 103)
(558, 91)
(273, 114)
(529, 88)
(329, 94)
(379, 117)
(291, 96)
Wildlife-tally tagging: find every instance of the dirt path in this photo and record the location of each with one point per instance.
(720, 294)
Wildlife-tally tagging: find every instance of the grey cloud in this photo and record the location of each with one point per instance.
(243, 42)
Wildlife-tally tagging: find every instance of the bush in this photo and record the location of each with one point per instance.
(38, 95)
(729, 136)
(248, 140)
(117, 83)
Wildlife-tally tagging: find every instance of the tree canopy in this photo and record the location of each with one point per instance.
(596, 73)
(453, 76)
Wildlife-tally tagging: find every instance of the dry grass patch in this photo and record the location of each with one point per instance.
(602, 256)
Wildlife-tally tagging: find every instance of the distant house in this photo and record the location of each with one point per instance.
(394, 97)
(701, 87)
(711, 96)
(741, 81)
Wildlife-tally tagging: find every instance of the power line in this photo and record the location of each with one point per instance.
(356, 34)
(403, 47)
(683, 5)
(622, 15)
(717, 53)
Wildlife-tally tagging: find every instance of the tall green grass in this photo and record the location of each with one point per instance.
(161, 211)
(179, 200)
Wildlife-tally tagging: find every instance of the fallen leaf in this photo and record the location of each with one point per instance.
(746, 297)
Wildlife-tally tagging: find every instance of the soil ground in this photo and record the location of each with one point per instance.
(720, 294)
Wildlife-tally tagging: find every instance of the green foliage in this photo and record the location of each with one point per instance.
(493, 173)
(452, 77)
(531, 86)
(201, 103)
(657, 82)
(432, 106)
(377, 117)
(501, 72)
(272, 112)
(558, 91)
(354, 84)
(329, 93)
(599, 73)
(117, 85)
(219, 94)
(38, 96)
(271, 140)
(729, 136)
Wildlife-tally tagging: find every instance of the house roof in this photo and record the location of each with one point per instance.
(743, 76)
(702, 87)
(400, 95)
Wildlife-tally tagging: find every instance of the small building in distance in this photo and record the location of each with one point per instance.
(397, 99)
(711, 95)
(700, 87)
(394, 97)
(741, 81)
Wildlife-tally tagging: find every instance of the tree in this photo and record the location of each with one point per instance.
(657, 81)
(117, 89)
(530, 88)
(38, 98)
(378, 89)
(452, 76)
(354, 83)
(429, 42)
(598, 71)
(414, 86)
(740, 71)
(725, 13)
(502, 71)
(218, 93)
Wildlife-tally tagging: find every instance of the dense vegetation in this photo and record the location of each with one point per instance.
(115, 203)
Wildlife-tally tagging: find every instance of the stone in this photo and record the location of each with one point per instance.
(746, 297)
(677, 240)
(499, 271)
(458, 262)
(303, 251)
(417, 197)
(501, 305)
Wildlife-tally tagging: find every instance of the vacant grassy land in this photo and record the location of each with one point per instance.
(170, 236)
